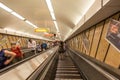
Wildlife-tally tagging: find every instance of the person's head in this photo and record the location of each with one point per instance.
(30, 40)
(13, 44)
(61, 42)
(114, 29)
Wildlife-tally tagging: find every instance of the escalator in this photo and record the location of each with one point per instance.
(66, 70)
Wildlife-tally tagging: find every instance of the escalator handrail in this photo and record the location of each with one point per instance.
(41, 68)
(8, 68)
(99, 69)
(83, 74)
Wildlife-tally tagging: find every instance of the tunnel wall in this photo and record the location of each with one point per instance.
(99, 48)
(6, 39)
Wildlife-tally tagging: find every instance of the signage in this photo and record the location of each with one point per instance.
(41, 30)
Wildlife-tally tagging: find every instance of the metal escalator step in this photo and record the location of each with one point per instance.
(68, 76)
(67, 72)
(66, 67)
(66, 79)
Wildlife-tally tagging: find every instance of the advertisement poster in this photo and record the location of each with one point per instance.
(85, 42)
(113, 34)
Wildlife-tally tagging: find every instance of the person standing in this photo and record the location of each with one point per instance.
(61, 49)
(32, 45)
(44, 46)
(16, 49)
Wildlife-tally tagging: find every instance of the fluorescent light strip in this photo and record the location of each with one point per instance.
(52, 14)
(18, 16)
(49, 5)
(50, 9)
(31, 24)
(5, 8)
(56, 26)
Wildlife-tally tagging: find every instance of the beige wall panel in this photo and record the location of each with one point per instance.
(91, 36)
(103, 46)
(79, 40)
(113, 57)
(0, 39)
(5, 43)
(80, 44)
(8, 42)
(96, 39)
(10, 38)
(21, 42)
(83, 49)
(87, 34)
(25, 42)
(14, 38)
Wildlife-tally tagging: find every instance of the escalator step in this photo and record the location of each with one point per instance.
(68, 76)
(66, 79)
(67, 72)
(66, 67)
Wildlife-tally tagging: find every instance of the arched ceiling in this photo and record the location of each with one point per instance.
(67, 13)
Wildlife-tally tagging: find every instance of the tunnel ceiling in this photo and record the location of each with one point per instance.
(67, 13)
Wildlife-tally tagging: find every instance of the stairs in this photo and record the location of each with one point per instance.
(66, 70)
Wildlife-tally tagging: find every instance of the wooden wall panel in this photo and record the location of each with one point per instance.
(21, 42)
(14, 38)
(87, 34)
(25, 42)
(91, 37)
(113, 57)
(102, 49)
(23, 39)
(96, 39)
(83, 50)
(8, 42)
(80, 43)
(10, 38)
(99, 47)
(0, 39)
(5, 43)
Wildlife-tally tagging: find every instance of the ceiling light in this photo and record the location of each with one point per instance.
(5, 7)
(17, 15)
(31, 24)
(53, 16)
(49, 5)
(50, 9)
(56, 26)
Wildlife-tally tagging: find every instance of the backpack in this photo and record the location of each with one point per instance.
(3, 58)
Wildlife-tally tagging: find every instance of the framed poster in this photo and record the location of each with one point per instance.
(113, 34)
